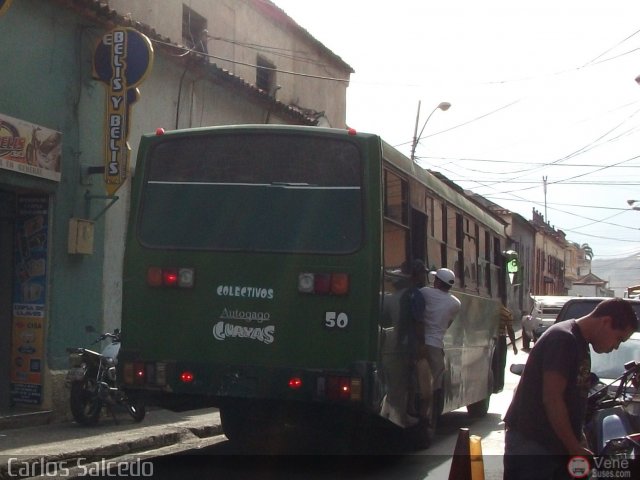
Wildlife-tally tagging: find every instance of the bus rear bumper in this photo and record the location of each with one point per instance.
(175, 383)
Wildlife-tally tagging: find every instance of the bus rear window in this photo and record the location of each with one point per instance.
(257, 192)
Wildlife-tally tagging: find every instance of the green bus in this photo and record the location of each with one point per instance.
(265, 273)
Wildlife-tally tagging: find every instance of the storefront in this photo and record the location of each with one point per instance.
(33, 151)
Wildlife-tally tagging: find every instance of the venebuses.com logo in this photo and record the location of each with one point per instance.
(602, 467)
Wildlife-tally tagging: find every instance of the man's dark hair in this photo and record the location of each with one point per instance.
(417, 267)
(621, 312)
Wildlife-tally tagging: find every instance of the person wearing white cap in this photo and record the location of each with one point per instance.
(441, 307)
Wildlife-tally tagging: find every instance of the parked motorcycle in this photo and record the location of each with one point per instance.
(94, 385)
(613, 414)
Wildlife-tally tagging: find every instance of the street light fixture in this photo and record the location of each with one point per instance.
(444, 106)
(631, 204)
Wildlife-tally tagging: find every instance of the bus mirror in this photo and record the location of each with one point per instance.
(512, 263)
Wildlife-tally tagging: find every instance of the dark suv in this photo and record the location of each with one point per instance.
(581, 306)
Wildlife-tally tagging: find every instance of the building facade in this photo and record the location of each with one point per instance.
(62, 217)
(549, 258)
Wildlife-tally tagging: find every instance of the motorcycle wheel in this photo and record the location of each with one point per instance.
(85, 403)
(136, 408)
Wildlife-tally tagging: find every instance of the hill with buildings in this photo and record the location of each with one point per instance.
(619, 272)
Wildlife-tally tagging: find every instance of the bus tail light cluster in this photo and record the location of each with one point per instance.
(154, 374)
(145, 373)
(170, 277)
(323, 283)
(340, 388)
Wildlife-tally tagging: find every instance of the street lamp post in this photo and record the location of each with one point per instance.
(444, 106)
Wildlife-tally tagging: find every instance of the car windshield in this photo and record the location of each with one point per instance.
(611, 365)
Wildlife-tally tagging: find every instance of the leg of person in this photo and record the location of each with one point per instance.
(435, 357)
(501, 353)
(425, 382)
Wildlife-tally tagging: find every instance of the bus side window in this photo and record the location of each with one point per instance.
(396, 198)
(396, 239)
(435, 236)
(470, 253)
(418, 235)
(484, 255)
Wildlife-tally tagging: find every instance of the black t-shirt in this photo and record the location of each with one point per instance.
(563, 349)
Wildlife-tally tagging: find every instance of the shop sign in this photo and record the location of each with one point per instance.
(122, 59)
(29, 148)
(29, 299)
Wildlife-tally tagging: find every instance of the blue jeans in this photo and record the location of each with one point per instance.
(525, 459)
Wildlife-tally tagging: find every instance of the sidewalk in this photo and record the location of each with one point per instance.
(65, 442)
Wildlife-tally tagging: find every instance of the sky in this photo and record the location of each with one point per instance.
(538, 90)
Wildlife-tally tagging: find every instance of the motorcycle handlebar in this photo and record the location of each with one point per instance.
(116, 335)
(631, 372)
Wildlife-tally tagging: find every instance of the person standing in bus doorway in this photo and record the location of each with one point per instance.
(505, 328)
(544, 423)
(441, 307)
(420, 373)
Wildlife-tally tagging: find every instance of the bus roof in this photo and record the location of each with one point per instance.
(394, 156)
(441, 189)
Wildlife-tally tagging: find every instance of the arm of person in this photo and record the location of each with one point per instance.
(453, 312)
(512, 337)
(553, 387)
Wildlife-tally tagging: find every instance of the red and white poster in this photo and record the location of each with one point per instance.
(30, 149)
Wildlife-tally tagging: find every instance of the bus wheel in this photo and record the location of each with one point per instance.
(479, 409)
(247, 424)
(236, 424)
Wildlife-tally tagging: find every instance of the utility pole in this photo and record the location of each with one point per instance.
(544, 182)
(415, 134)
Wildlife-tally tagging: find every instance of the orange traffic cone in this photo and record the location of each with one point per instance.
(467, 462)
(477, 463)
(461, 461)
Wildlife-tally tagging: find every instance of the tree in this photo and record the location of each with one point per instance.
(588, 251)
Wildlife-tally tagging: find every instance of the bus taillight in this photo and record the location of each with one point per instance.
(295, 383)
(323, 283)
(170, 277)
(339, 283)
(139, 373)
(344, 388)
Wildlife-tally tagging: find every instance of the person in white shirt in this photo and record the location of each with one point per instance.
(441, 307)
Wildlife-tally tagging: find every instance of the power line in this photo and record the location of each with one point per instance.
(489, 196)
(516, 162)
(591, 62)
(246, 64)
(462, 124)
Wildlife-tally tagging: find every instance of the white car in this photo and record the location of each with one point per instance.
(543, 314)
